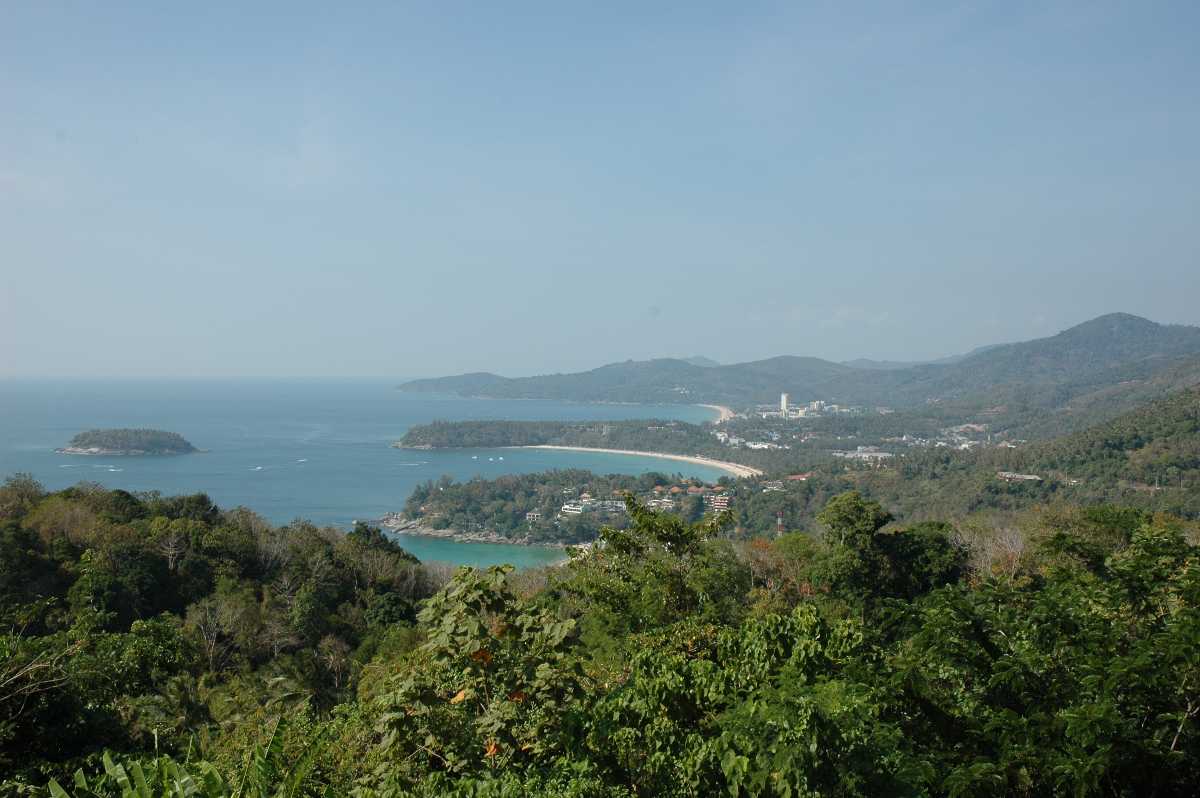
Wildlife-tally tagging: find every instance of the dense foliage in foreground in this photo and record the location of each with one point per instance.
(1061, 656)
(133, 622)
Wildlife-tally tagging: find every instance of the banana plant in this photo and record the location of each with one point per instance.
(266, 773)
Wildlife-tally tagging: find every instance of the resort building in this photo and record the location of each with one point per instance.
(870, 455)
(717, 501)
(1011, 476)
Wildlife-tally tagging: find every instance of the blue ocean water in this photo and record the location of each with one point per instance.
(287, 449)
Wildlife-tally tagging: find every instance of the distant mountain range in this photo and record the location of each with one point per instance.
(1119, 357)
(867, 363)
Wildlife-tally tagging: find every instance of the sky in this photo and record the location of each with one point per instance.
(228, 189)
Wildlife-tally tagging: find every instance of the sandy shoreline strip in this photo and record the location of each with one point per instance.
(737, 469)
(723, 413)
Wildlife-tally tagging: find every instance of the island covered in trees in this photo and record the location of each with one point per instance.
(128, 442)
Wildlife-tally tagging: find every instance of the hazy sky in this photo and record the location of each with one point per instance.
(208, 188)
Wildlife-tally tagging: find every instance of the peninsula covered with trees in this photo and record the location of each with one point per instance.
(567, 506)
(672, 437)
(128, 442)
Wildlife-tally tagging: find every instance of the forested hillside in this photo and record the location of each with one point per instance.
(135, 622)
(665, 380)
(166, 647)
(1158, 443)
(1146, 458)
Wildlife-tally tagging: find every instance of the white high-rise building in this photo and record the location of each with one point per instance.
(783, 403)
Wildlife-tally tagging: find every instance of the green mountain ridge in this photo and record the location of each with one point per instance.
(1147, 457)
(886, 365)
(1042, 375)
(1159, 441)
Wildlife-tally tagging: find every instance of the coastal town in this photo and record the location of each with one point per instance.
(714, 497)
(789, 425)
(780, 452)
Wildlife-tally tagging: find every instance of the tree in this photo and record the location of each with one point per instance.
(19, 494)
(919, 559)
(171, 538)
(1086, 685)
(489, 689)
(205, 619)
(776, 706)
(850, 520)
(335, 657)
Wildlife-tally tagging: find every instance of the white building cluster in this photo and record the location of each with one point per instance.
(812, 409)
(871, 455)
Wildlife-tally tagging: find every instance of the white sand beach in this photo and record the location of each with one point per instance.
(736, 469)
(723, 413)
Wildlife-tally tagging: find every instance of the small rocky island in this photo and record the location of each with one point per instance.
(111, 442)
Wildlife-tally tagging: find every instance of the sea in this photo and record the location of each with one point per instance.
(317, 449)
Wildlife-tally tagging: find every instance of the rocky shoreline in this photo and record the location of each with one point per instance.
(397, 523)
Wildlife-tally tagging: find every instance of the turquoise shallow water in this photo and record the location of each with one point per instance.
(315, 449)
